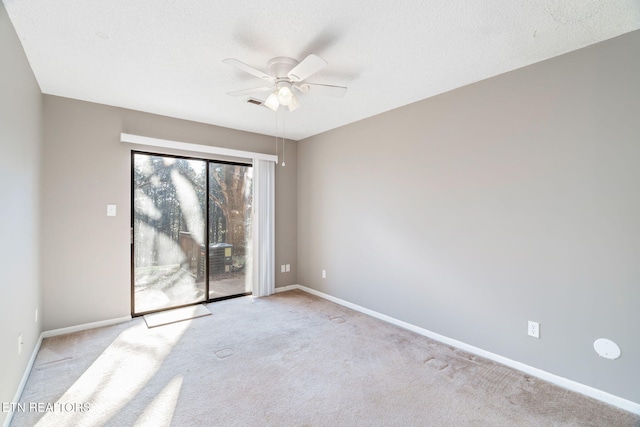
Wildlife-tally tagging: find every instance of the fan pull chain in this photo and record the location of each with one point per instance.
(276, 137)
(283, 135)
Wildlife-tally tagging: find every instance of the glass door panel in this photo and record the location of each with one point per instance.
(169, 225)
(230, 201)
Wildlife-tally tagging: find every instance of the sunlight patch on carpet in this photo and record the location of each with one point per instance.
(176, 315)
(116, 377)
(160, 412)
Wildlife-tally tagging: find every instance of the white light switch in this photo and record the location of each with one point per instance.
(288, 267)
(111, 210)
(283, 269)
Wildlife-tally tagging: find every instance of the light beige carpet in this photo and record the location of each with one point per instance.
(175, 315)
(287, 360)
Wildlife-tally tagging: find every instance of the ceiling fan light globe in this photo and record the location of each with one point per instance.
(304, 88)
(272, 102)
(285, 95)
(293, 105)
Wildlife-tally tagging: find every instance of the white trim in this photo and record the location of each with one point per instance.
(85, 326)
(23, 381)
(566, 383)
(198, 148)
(287, 288)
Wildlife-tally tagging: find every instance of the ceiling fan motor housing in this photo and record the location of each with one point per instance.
(280, 66)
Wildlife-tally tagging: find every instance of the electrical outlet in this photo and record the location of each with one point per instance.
(324, 274)
(19, 344)
(533, 329)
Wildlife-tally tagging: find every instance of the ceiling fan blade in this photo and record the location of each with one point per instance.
(250, 91)
(247, 68)
(309, 65)
(326, 90)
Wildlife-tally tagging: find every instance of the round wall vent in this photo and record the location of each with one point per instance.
(606, 348)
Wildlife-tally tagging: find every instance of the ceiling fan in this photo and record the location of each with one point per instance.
(286, 74)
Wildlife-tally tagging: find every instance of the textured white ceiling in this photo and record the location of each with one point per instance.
(165, 56)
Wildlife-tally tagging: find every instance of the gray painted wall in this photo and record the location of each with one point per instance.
(86, 255)
(513, 199)
(20, 141)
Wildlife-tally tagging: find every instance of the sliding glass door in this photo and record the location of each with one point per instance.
(230, 189)
(175, 261)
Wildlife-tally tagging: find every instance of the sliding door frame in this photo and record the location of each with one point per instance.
(207, 298)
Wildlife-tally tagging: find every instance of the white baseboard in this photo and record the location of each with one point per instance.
(566, 383)
(23, 381)
(85, 326)
(287, 288)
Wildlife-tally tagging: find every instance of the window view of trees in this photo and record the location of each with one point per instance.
(230, 212)
(170, 244)
(230, 207)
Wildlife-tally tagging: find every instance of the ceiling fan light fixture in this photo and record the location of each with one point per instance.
(285, 95)
(272, 101)
(304, 88)
(293, 105)
(285, 74)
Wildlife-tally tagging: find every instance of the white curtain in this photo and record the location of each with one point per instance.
(263, 274)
